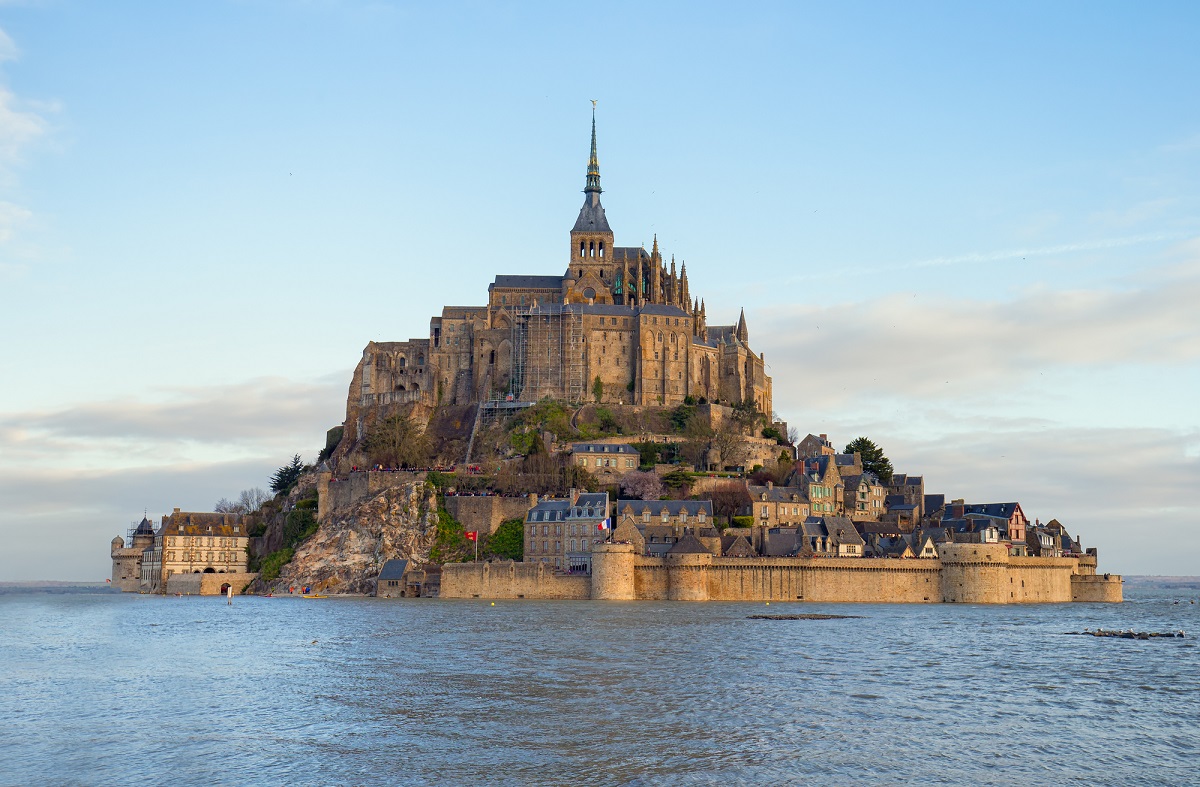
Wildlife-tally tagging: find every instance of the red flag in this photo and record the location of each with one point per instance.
(472, 535)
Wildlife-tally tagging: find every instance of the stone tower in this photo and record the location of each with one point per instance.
(591, 264)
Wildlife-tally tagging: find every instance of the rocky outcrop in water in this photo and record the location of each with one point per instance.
(347, 552)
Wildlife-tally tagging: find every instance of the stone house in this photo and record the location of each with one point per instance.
(772, 506)
(833, 536)
(663, 523)
(562, 531)
(864, 496)
(814, 445)
(606, 461)
(195, 543)
(390, 582)
(820, 482)
(912, 489)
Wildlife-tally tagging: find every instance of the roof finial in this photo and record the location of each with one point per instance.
(593, 172)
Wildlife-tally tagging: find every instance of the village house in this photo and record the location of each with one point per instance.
(561, 531)
(606, 461)
(662, 523)
(818, 478)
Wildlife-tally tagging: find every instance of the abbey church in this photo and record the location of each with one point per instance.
(618, 325)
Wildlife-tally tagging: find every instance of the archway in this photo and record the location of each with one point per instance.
(210, 570)
(224, 588)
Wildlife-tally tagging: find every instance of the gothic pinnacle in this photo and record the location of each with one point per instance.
(593, 171)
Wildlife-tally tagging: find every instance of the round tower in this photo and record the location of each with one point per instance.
(612, 572)
(974, 573)
(687, 576)
(687, 570)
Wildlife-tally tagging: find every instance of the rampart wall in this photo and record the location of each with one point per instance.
(207, 584)
(484, 513)
(966, 573)
(509, 579)
(341, 494)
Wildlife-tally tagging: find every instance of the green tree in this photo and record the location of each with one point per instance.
(508, 542)
(285, 477)
(873, 460)
(598, 388)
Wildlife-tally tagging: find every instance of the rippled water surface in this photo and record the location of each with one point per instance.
(128, 689)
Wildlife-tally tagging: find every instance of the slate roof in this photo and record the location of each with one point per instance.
(844, 460)
(589, 506)
(602, 448)
(630, 253)
(934, 502)
(519, 282)
(1003, 510)
(736, 546)
(663, 308)
(144, 528)
(393, 569)
(688, 545)
(779, 494)
(692, 507)
(591, 216)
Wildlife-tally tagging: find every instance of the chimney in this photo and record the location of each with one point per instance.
(574, 495)
(532, 499)
(825, 437)
(770, 484)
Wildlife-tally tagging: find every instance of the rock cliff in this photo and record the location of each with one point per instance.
(347, 552)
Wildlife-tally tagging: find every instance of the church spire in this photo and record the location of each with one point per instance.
(593, 174)
(742, 334)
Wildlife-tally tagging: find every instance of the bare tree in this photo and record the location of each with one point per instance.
(641, 486)
(729, 440)
(250, 500)
(227, 506)
(397, 441)
(729, 498)
(793, 435)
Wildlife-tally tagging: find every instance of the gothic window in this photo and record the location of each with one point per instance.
(403, 362)
(421, 359)
(492, 357)
(601, 254)
(660, 337)
(582, 249)
(591, 249)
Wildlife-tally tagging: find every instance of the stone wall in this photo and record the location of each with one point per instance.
(341, 494)
(207, 584)
(1096, 588)
(509, 579)
(965, 573)
(485, 513)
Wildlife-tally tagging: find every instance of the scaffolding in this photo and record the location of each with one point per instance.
(548, 354)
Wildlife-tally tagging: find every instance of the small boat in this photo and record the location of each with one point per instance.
(313, 595)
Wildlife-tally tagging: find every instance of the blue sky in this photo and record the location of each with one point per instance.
(971, 232)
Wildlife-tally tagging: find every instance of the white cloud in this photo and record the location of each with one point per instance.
(990, 257)
(914, 347)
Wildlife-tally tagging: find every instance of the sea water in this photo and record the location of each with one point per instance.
(128, 689)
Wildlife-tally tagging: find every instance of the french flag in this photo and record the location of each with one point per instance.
(605, 525)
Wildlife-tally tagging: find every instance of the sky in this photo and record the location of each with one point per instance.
(970, 232)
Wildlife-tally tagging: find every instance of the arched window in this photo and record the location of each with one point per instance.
(660, 336)
(592, 249)
(403, 362)
(421, 359)
(492, 357)
(582, 249)
(601, 251)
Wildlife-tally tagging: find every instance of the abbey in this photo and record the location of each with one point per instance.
(618, 325)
